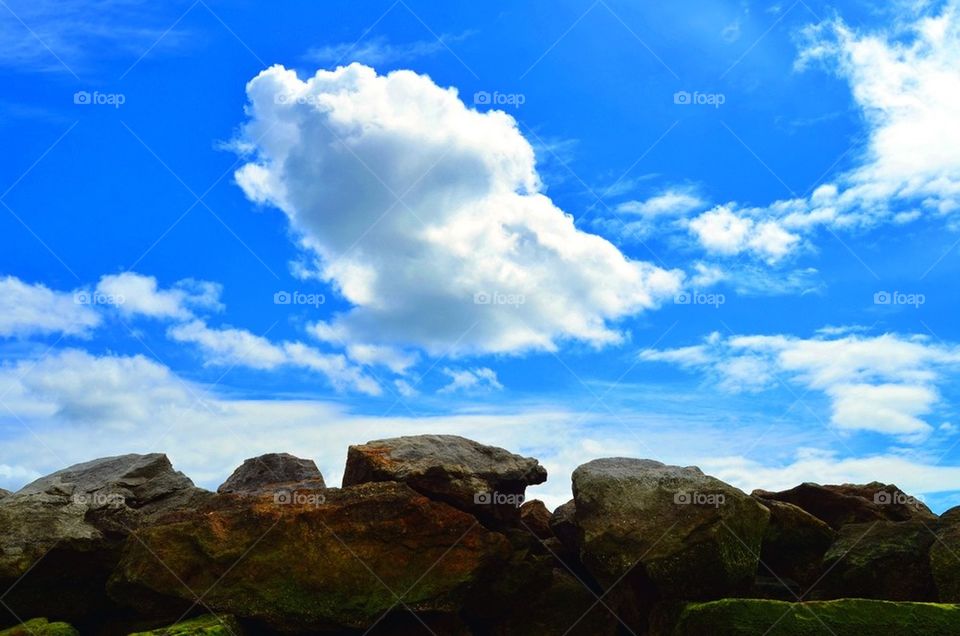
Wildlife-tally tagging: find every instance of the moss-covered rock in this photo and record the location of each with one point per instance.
(310, 561)
(203, 626)
(40, 627)
(881, 560)
(843, 617)
(691, 535)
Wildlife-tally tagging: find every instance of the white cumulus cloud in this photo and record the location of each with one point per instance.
(885, 384)
(413, 203)
(29, 310)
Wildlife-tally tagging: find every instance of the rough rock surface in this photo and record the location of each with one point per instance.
(847, 617)
(852, 503)
(69, 526)
(4, 493)
(535, 517)
(264, 473)
(945, 558)
(484, 480)
(563, 524)
(693, 535)
(794, 544)
(322, 560)
(880, 560)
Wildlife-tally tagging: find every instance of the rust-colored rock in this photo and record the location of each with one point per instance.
(314, 560)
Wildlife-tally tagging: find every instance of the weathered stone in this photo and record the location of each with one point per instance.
(266, 472)
(692, 536)
(4, 493)
(945, 558)
(794, 544)
(885, 560)
(68, 526)
(321, 560)
(853, 503)
(844, 617)
(535, 517)
(484, 480)
(563, 524)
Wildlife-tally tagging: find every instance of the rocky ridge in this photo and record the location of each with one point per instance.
(433, 532)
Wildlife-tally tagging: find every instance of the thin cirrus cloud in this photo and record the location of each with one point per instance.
(905, 83)
(379, 51)
(427, 217)
(886, 384)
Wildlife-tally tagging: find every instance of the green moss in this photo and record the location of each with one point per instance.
(40, 627)
(843, 617)
(203, 626)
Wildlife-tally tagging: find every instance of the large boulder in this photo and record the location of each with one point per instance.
(945, 557)
(886, 560)
(853, 503)
(268, 472)
(563, 524)
(486, 481)
(68, 527)
(844, 617)
(535, 517)
(794, 544)
(311, 561)
(690, 535)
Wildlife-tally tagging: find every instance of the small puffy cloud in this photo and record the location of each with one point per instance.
(670, 202)
(229, 347)
(28, 310)
(723, 231)
(885, 384)
(416, 205)
(470, 379)
(136, 294)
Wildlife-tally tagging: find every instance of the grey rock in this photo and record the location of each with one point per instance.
(563, 523)
(793, 544)
(887, 560)
(692, 535)
(485, 480)
(77, 518)
(261, 474)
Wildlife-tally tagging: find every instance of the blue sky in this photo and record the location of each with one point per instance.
(712, 233)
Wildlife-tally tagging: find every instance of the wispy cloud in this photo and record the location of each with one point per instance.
(379, 51)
